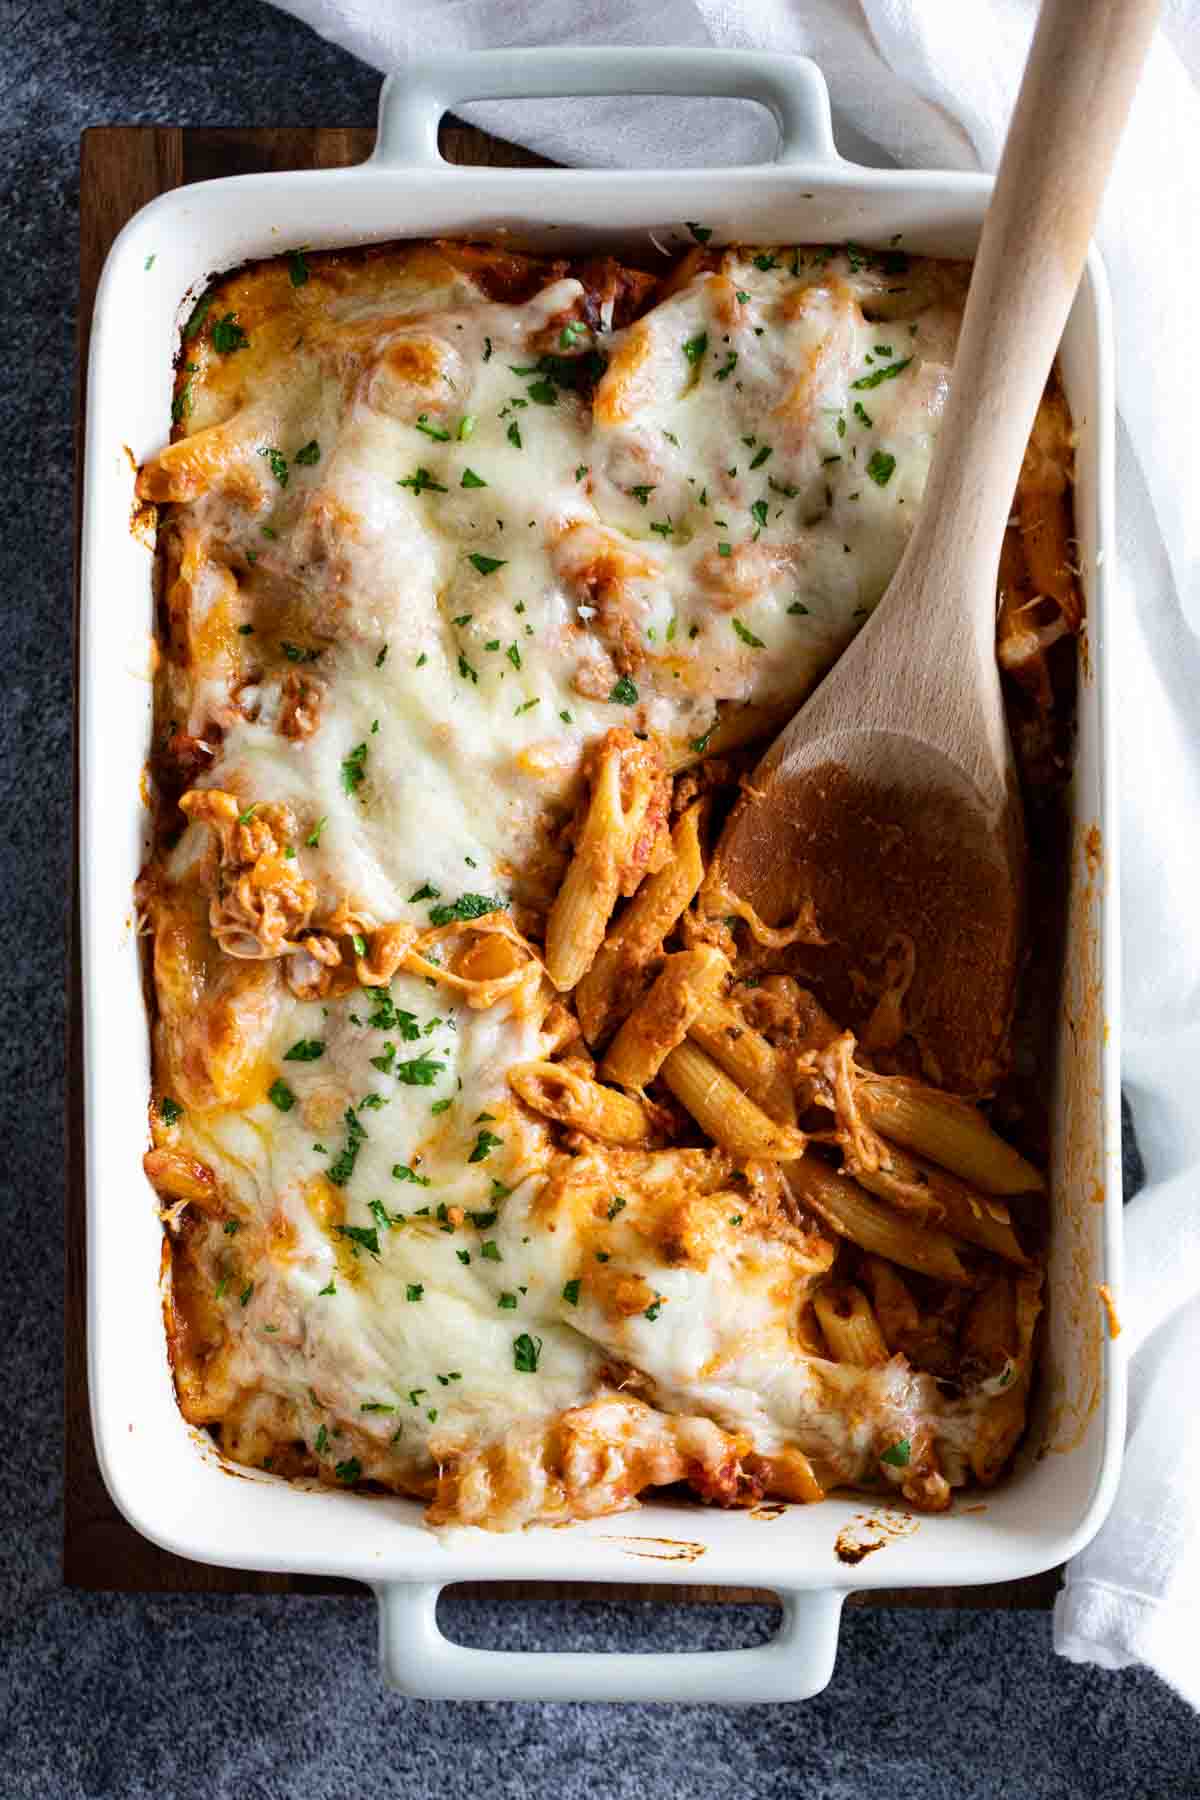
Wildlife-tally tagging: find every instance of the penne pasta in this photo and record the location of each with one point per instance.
(611, 981)
(989, 1333)
(626, 780)
(895, 1307)
(688, 981)
(947, 1130)
(850, 1327)
(980, 1218)
(719, 1106)
(559, 1092)
(744, 1053)
(856, 1215)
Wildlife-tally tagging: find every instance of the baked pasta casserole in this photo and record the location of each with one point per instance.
(506, 1160)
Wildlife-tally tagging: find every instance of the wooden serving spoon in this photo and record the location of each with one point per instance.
(890, 804)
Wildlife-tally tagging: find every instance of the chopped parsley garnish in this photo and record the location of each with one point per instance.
(570, 334)
(735, 1218)
(886, 374)
(231, 1227)
(354, 769)
(422, 482)
(701, 233)
(467, 906)
(727, 367)
(360, 1237)
(514, 656)
(414, 1291)
(490, 1251)
(570, 1292)
(764, 261)
(308, 454)
(221, 1287)
(321, 1442)
(624, 693)
(643, 491)
(581, 471)
(197, 317)
(663, 527)
(514, 435)
(305, 1050)
(695, 347)
(278, 463)
(244, 1296)
(419, 1071)
(228, 336)
(758, 512)
(747, 636)
(466, 671)
(385, 1220)
(654, 1308)
(528, 706)
(348, 1471)
(487, 349)
(618, 1204)
(342, 1166)
(297, 268)
(798, 607)
(281, 1095)
(484, 1144)
(181, 405)
(724, 549)
(466, 427)
(298, 653)
(441, 1106)
(898, 1454)
(313, 840)
(507, 1302)
(464, 1257)
(402, 1172)
(862, 415)
(486, 565)
(169, 1110)
(741, 295)
(782, 487)
(526, 1353)
(381, 658)
(762, 456)
(544, 392)
(700, 744)
(328, 1289)
(432, 431)
(471, 480)
(880, 467)
(376, 1406)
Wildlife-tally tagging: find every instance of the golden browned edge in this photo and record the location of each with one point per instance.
(122, 168)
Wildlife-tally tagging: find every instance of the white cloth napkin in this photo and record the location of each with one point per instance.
(919, 82)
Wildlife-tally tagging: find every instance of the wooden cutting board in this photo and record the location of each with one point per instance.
(121, 169)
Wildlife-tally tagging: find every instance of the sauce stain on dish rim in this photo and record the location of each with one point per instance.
(865, 1533)
(670, 1549)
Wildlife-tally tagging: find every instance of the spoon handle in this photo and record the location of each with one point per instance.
(1075, 96)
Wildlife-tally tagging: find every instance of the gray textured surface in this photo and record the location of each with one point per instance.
(112, 1697)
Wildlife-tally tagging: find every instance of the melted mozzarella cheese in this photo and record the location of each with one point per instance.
(478, 572)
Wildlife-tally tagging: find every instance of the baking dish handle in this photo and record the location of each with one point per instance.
(415, 97)
(794, 1665)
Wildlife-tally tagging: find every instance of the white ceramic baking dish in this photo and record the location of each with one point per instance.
(164, 1476)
